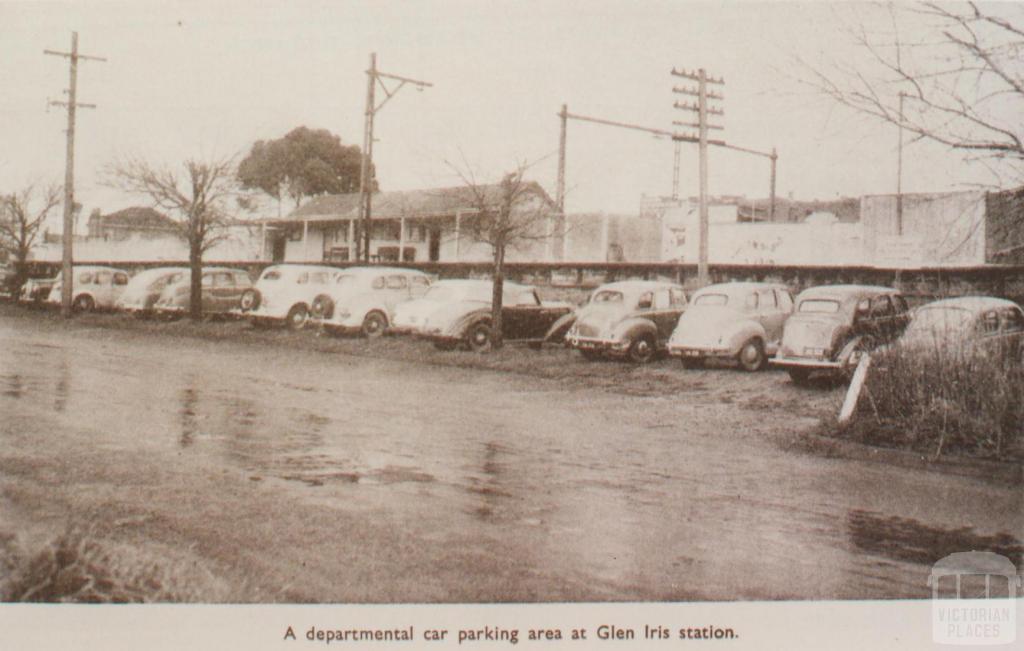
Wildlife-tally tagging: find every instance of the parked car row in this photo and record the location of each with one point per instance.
(753, 324)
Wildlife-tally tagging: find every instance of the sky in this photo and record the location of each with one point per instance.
(185, 79)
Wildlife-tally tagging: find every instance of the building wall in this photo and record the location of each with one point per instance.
(1004, 227)
(938, 230)
(242, 243)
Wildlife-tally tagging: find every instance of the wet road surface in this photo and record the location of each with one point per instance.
(299, 476)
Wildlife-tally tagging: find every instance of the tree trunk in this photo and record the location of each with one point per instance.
(195, 263)
(498, 287)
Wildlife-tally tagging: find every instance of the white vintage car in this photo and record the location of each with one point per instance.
(363, 299)
(92, 288)
(741, 321)
(284, 293)
(145, 287)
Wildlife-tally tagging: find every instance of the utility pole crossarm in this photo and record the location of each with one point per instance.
(80, 57)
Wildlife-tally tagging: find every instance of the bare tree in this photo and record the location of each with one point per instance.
(506, 215)
(21, 217)
(948, 73)
(196, 195)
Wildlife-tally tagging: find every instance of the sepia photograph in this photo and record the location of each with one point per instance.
(476, 324)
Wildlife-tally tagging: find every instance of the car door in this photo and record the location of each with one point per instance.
(208, 297)
(418, 286)
(1011, 322)
(770, 317)
(521, 316)
(883, 314)
(663, 313)
(396, 290)
(101, 287)
(119, 284)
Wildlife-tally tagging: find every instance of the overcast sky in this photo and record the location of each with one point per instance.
(198, 79)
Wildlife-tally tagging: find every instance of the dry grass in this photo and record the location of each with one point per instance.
(943, 402)
(80, 566)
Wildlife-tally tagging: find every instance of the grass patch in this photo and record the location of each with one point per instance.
(942, 401)
(79, 566)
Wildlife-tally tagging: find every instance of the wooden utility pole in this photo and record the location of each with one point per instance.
(703, 126)
(69, 170)
(374, 77)
(899, 176)
(560, 185)
(771, 192)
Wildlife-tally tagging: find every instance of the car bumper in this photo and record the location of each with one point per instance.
(698, 352)
(807, 362)
(606, 346)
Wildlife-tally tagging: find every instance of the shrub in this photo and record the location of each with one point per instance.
(944, 401)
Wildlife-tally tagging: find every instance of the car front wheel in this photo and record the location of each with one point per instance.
(478, 338)
(83, 303)
(642, 349)
(297, 317)
(751, 356)
(374, 325)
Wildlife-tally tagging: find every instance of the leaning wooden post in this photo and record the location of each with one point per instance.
(856, 385)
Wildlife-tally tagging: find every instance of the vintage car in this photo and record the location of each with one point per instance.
(145, 287)
(284, 293)
(92, 288)
(458, 312)
(222, 290)
(8, 281)
(363, 299)
(833, 324)
(631, 319)
(739, 321)
(968, 325)
(37, 290)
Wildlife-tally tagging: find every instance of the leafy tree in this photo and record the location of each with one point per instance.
(304, 163)
(21, 217)
(197, 195)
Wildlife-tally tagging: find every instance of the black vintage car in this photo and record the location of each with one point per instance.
(832, 324)
(455, 312)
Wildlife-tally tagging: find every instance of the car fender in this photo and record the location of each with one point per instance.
(461, 325)
(560, 327)
(631, 328)
(846, 352)
(742, 332)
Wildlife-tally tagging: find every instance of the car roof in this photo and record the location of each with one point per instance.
(844, 292)
(637, 285)
(742, 285)
(359, 271)
(95, 267)
(974, 304)
(302, 267)
(508, 286)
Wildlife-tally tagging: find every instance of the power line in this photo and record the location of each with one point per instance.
(72, 105)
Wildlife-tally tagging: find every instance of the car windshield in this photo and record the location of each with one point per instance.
(818, 306)
(607, 296)
(940, 319)
(711, 299)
